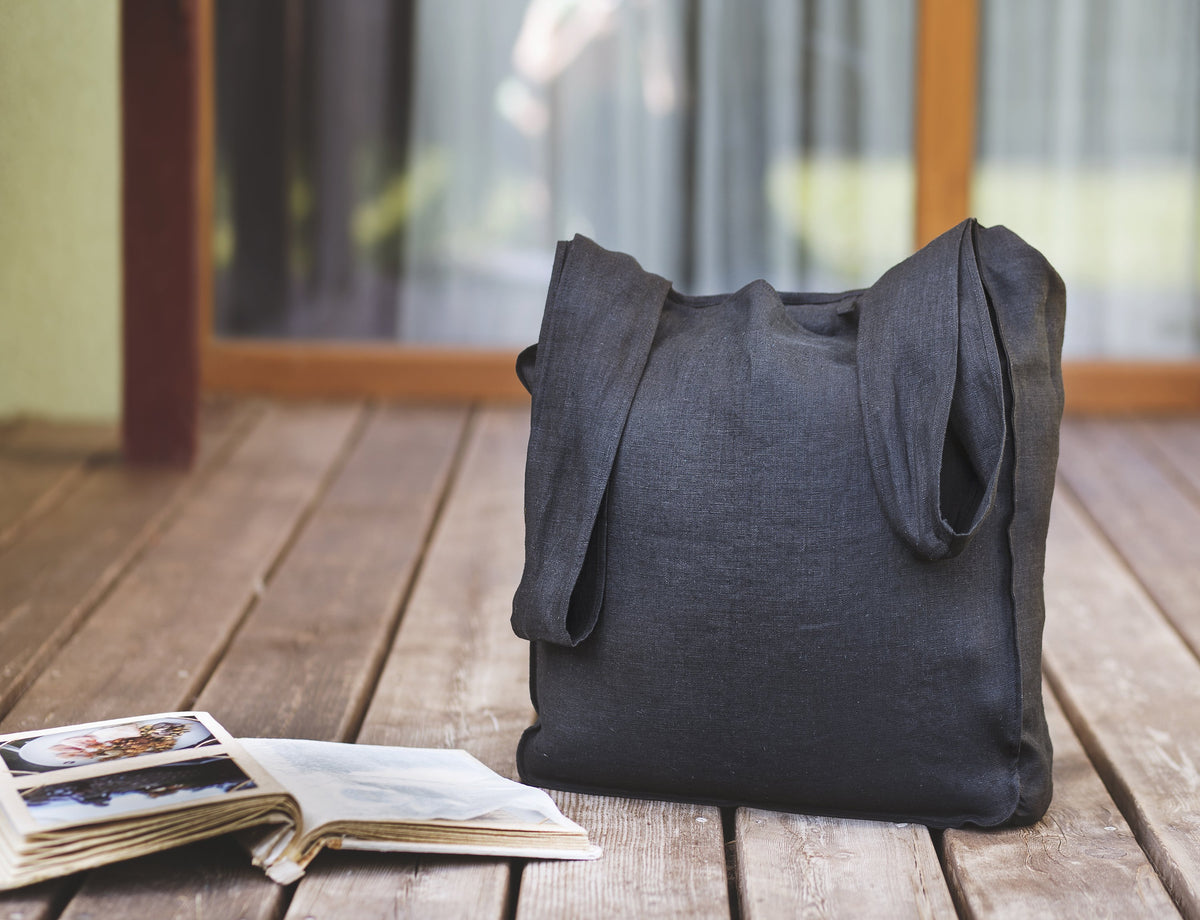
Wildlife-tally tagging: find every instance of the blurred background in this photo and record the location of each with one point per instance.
(398, 171)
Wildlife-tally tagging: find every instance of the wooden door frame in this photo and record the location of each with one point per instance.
(172, 352)
(945, 120)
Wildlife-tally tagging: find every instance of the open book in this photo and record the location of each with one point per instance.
(81, 796)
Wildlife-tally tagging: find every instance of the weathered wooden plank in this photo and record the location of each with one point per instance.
(300, 664)
(1081, 860)
(39, 463)
(455, 677)
(173, 612)
(205, 880)
(1131, 690)
(458, 677)
(794, 865)
(1143, 509)
(63, 563)
(661, 859)
(1177, 441)
(71, 558)
(363, 886)
(308, 654)
(154, 640)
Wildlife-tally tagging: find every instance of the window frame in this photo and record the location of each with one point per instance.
(945, 117)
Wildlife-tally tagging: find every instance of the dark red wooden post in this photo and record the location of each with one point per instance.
(161, 48)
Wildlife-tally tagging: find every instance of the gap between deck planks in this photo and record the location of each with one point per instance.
(222, 885)
(324, 618)
(149, 644)
(1131, 689)
(65, 561)
(40, 462)
(1140, 482)
(1081, 860)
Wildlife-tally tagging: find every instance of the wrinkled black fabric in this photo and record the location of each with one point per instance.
(787, 549)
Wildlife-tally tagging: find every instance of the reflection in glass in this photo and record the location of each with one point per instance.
(423, 157)
(1089, 136)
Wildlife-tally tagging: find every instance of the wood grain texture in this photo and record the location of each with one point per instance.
(113, 504)
(1152, 520)
(212, 879)
(311, 369)
(368, 886)
(301, 663)
(40, 462)
(1131, 690)
(1080, 861)
(61, 565)
(309, 653)
(153, 641)
(456, 675)
(661, 859)
(799, 866)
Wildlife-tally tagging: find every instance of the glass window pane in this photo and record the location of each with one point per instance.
(402, 170)
(1089, 133)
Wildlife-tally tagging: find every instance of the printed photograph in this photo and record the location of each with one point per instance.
(77, 747)
(114, 794)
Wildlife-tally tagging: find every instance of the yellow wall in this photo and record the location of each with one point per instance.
(60, 281)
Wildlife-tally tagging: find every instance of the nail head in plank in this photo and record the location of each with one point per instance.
(1081, 860)
(1131, 690)
(796, 865)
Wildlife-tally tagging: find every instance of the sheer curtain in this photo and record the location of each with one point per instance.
(718, 141)
(1089, 143)
(402, 168)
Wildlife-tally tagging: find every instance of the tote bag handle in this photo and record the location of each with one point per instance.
(932, 393)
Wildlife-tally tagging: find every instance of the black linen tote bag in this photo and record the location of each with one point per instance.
(787, 549)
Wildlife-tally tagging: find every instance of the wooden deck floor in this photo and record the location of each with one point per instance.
(345, 572)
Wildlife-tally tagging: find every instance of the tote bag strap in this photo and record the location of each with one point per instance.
(932, 394)
(601, 314)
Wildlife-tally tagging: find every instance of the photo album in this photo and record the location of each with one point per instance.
(81, 796)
